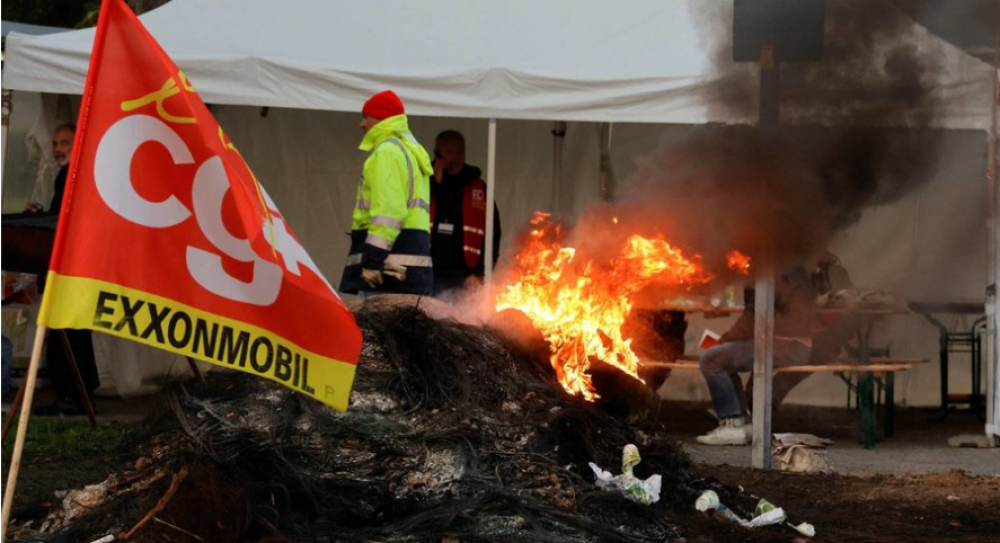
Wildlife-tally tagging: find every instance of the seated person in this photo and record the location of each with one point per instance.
(794, 322)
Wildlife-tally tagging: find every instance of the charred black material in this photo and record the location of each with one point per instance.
(452, 432)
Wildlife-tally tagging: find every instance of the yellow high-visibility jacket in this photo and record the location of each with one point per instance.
(391, 218)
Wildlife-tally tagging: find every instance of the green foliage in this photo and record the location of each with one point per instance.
(65, 437)
(90, 17)
(65, 13)
(60, 13)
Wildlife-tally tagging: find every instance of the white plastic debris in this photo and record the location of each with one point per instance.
(708, 501)
(805, 529)
(765, 514)
(643, 491)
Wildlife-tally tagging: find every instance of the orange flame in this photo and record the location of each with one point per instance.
(579, 305)
(738, 262)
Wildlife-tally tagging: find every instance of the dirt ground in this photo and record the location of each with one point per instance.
(948, 506)
(923, 498)
(63, 453)
(942, 507)
(40, 478)
(939, 508)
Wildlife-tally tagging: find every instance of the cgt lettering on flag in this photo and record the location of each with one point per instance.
(166, 237)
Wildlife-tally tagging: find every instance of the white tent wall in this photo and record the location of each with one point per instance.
(20, 163)
(992, 350)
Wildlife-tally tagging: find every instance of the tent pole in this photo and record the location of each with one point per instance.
(22, 429)
(763, 367)
(763, 348)
(7, 107)
(605, 174)
(491, 191)
(558, 134)
(993, 267)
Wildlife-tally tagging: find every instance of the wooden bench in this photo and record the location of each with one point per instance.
(843, 361)
(880, 373)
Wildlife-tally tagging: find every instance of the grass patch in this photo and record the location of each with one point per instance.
(58, 437)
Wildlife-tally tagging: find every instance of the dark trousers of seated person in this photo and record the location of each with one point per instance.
(721, 366)
(82, 343)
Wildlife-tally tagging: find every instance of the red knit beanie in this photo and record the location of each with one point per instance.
(383, 105)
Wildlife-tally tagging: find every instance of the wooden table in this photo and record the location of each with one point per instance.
(866, 379)
(965, 339)
(28, 239)
(867, 367)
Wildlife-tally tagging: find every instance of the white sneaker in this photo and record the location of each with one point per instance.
(729, 432)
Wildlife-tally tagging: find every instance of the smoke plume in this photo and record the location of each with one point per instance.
(853, 134)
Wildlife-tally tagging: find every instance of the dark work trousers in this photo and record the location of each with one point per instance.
(720, 366)
(59, 371)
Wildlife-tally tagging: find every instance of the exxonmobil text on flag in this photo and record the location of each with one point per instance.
(166, 236)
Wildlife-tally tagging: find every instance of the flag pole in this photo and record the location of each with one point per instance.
(22, 429)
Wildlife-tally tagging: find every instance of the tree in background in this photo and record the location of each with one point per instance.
(65, 13)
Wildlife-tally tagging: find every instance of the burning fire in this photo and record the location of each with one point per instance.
(579, 305)
(738, 262)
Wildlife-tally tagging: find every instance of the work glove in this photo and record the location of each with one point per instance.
(372, 277)
(395, 270)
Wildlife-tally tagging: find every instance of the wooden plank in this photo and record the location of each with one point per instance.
(862, 311)
(884, 360)
(846, 368)
(672, 365)
(691, 362)
(708, 310)
(814, 368)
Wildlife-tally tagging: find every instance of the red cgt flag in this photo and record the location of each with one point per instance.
(165, 237)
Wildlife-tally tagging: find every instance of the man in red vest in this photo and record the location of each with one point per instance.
(458, 216)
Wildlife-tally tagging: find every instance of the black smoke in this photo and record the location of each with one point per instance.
(854, 132)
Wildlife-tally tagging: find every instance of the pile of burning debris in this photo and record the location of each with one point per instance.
(452, 432)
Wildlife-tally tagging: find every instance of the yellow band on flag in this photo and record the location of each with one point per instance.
(76, 302)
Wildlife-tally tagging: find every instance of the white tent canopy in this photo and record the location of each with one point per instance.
(515, 59)
(575, 60)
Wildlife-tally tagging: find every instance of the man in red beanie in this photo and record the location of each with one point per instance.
(390, 225)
